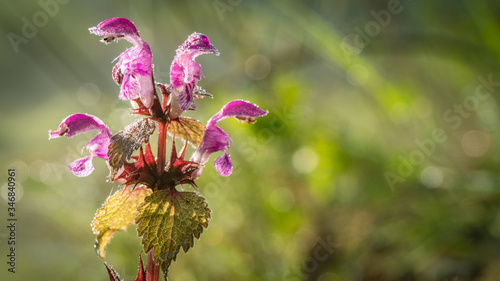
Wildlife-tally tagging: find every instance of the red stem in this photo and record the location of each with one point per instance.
(152, 270)
(162, 147)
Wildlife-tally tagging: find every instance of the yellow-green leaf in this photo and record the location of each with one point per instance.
(187, 129)
(116, 214)
(168, 220)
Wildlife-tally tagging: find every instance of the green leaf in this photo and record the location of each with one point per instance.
(116, 214)
(187, 129)
(125, 142)
(168, 220)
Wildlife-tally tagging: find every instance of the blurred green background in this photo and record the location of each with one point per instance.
(378, 159)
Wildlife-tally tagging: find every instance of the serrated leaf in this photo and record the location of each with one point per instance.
(187, 129)
(168, 220)
(116, 214)
(125, 142)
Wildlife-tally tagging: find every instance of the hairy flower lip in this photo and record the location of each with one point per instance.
(199, 43)
(98, 146)
(114, 28)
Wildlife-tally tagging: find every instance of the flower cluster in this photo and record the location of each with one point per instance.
(154, 200)
(134, 74)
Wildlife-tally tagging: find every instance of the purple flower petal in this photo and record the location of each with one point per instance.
(133, 72)
(116, 28)
(98, 146)
(82, 167)
(238, 108)
(79, 123)
(215, 139)
(223, 165)
(185, 72)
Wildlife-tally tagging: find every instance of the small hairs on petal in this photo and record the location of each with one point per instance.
(115, 26)
(238, 108)
(97, 146)
(82, 167)
(223, 165)
(79, 123)
(185, 72)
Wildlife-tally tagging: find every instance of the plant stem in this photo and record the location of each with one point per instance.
(162, 147)
(152, 269)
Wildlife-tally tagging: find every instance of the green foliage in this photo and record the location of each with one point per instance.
(187, 129)
(268, 218)
(117, 213)
(169, 220)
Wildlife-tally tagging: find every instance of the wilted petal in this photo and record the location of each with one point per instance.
(82, 167)
(223, 165)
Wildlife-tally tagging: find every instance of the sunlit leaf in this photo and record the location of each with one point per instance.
(169, 220)
(116, 214)
(125, 142)
(187, 129)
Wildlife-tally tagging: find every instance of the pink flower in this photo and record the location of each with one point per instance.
(185, 72)
(215, 139)
(133, 72)
(98, 146)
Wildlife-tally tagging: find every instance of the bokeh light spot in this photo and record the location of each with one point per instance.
(305, 160)
(475, 143)
(257, 67)
(431, 177)
(18, 190)
(352, 44)
(22, 170)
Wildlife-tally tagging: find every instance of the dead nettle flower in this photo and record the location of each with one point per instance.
(98, 146)
(215, 139)
(155, 199)
(133, 72)
(185, 72)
